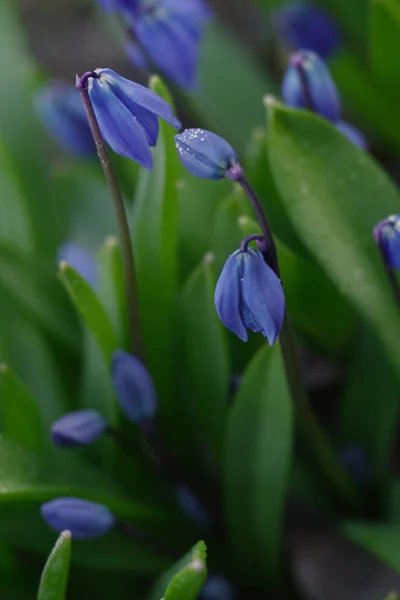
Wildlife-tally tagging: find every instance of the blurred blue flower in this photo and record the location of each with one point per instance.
(80, 259)
(60, 109)
(354, 460)
(205, 154)
(136, 55)
(302, 25)
(353, 134)
(387, 235)
(308, 84)
(78, 428)
(84, 519)
(218, 587)
(193, 507)
(127, 114)
(249, 295)
(134, 387)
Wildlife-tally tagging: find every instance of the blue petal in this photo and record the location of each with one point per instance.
(205, 154)
(190, 10)
(263, 300)
(227, 295)
(141, 96)
(136, 55)
(353, 134)
(134, 387)
(84, 519)
(390, 236)
(80, 259)
(121, 130)
(78, 428)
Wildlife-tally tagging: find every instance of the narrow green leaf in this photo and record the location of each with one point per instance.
(21, 417)
(257, 455)
(189, 580)
(54, 579)
(385, 43)
(382, 540)
(392, 596)
(206, 356)
(91, 309)
(335, 195)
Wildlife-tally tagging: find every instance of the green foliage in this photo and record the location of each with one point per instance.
(53, 583)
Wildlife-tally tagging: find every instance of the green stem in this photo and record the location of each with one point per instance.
(123, 227)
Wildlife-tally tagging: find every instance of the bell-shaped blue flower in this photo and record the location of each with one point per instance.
(127, 114)
(302, 25)
(82, 518)
(387, 235)
(80, 259)
(353, 134)
(309, 84)
(249, 295)
(61, 112)
(205, 154)
(78, 428)
(134, 387)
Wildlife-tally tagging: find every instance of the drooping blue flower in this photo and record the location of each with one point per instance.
(84, 519)
(218, 587)
(134, 387)
(80, 259)
(353, 134)
(78, 428)
(205, 154)
(309, 84)
(302, 25)
(61, 112)
(249, 295)
(387, 235)
(127, 114)
(193, 507)
(170, 32)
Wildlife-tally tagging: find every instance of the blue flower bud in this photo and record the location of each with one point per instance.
(80, 259)
(78, 428)
(127, 114)
(387, 235)
(61, 112)
(308, 84)
(353, 134)
(218, 587)
(305, 26)
(205, 154)
(249, 295)
(134, 387)
(193, 507)
(84, 519)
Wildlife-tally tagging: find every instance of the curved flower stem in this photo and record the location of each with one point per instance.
(126, 243)
(310, 430)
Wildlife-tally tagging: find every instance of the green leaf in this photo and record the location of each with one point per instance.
(371, 391)
(54, 579)
(382, 540)
(336, 194)
(21, 417)
(206, 356)
(188, 581)
(385, 43)
(258, 455)
(91, 309)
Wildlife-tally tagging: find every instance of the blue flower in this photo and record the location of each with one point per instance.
(308, 84)
(82, 518)
(218, 587)
(61, 112)
(170, 32)
(205, 154)
(353, 134)
(134, 387)
(249, 295)
(78, 428)
(127, 114)
(80, 259)
(193, 507)
(136, 55)
(387, 235)
(304, 26)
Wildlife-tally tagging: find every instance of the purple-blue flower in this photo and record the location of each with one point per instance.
(387, 236)
(78, 428)
(353, 134)
(205, 154)
(134, 387)
(309, 84)
(249, 295)
(80, 259)
(127, 114)
(61, 112)
(302, 25)
(218, 587)
(84, 519)
(193, 507)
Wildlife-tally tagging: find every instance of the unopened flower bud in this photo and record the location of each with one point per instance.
(205, 154)
(134, 387)
(82, 518)
(78, 428)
